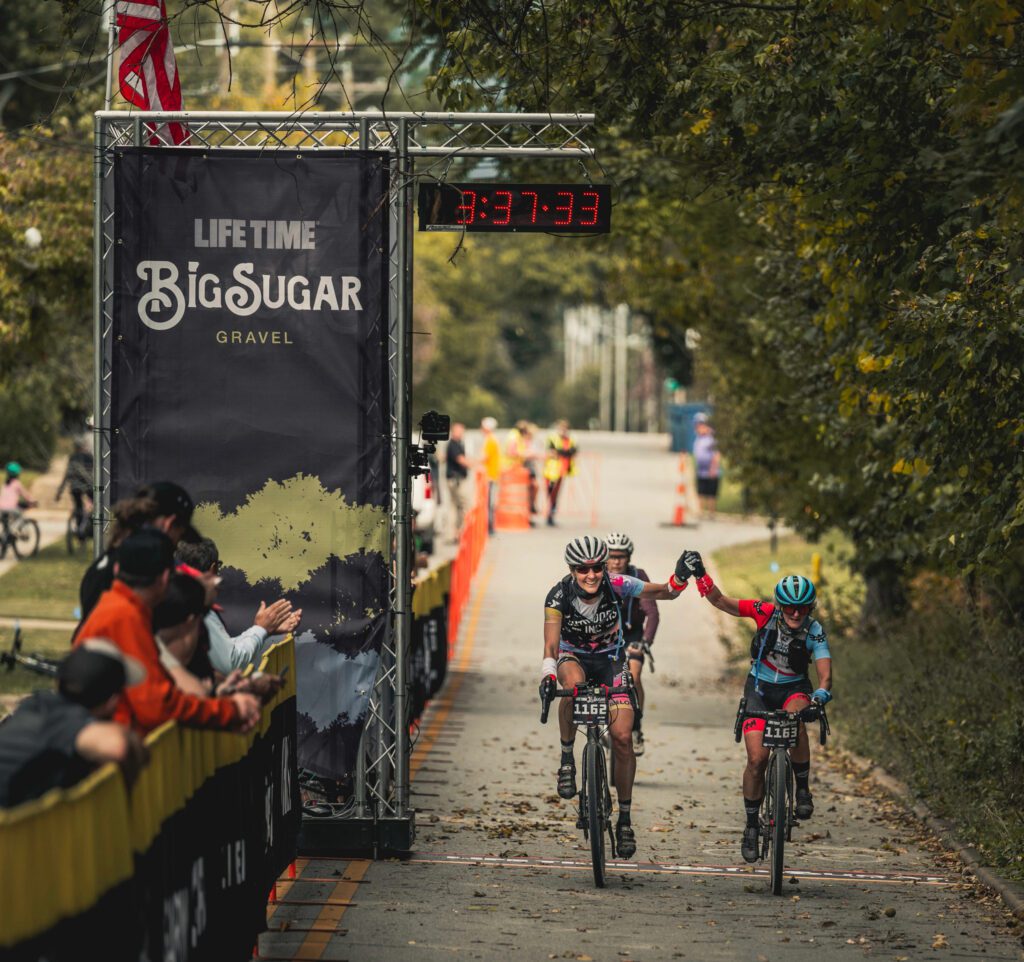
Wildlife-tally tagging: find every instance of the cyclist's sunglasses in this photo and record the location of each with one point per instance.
(796, 609)
(586, 569)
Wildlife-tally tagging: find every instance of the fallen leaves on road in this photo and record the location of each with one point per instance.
(940, 942)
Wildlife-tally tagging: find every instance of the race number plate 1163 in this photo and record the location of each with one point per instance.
(782, 733)
(589, 708)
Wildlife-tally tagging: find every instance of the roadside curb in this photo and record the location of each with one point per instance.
(1011, 893)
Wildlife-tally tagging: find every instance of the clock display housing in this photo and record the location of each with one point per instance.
(514, 208)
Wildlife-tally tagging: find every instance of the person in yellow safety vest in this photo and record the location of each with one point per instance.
(492, 466)
(559, 464)
(519, 452)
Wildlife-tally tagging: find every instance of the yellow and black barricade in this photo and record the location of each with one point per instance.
(179, 868)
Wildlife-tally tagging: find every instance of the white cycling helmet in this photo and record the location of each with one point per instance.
(586, 550)
(617, 541)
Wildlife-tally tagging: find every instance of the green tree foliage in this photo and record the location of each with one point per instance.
(45, 292)
(830, 192)
(488, 322)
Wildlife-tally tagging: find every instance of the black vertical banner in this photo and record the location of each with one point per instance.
(249, 364)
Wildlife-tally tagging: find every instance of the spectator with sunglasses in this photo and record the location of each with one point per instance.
(584, 642)
(786, 640)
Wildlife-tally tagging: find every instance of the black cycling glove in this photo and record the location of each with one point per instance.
(694, 562)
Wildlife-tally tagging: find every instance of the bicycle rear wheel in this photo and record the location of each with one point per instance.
(71, 535)
(597, 792)
(26, 539)
(778, 813)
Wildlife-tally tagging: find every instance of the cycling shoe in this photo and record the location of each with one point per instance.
(804, 803)
(749, 847)
(625, 840)
(567, 781)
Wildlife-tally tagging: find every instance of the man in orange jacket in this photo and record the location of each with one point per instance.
(124, 614)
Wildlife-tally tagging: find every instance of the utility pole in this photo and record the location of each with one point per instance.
(606, 370)
(621, 357)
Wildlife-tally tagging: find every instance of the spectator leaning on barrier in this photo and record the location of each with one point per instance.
(163, 505)
(457, 470)
(520, 453)
(492, 466)
(229, 653)
(55, 738)
(124, 614)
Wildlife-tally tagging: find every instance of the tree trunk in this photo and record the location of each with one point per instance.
(884, 598)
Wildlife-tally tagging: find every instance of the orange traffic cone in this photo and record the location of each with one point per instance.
(679, 514)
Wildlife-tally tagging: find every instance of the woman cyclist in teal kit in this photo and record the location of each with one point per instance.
(787, 639)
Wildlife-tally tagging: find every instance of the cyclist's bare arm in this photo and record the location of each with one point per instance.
(658, 592)
(552, 632)
(823, 669)
(723, 602)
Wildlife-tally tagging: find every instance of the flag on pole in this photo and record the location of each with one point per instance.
(147, 75)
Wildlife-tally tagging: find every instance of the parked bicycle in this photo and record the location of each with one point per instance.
(590, 710)
(21, 534)
(40, 664)
(781, 731)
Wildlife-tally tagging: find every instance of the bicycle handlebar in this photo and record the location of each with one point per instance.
(813, 712)
(628, 689)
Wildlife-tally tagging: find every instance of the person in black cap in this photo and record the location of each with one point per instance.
(124, 614)
(163, 505)
(55, 738)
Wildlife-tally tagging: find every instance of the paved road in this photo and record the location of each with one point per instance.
(500, 870)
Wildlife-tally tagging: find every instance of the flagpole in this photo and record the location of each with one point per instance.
(110, 22)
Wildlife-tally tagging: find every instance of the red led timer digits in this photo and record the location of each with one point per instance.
(501, 205)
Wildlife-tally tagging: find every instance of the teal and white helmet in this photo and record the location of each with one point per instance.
(795, 590)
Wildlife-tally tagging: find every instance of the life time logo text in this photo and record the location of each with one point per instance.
(163, 305)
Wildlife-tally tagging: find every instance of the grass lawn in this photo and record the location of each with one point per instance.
(54, 644)
(45, 586)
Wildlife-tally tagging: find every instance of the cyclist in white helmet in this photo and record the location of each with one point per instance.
(639, 622)
(584, 641)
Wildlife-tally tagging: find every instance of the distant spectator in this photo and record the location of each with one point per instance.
(163, 505)
(229, 653)
(55, 738)
(14, 497)
(492, 466)
(520, 452)
(559, 464)
(708, 464)
(457, 471)
(124, 614)
(78, 479)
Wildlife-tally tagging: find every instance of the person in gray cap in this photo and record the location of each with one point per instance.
(55, 738)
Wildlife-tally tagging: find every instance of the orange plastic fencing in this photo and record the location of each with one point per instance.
(513, 509)
(472, 541)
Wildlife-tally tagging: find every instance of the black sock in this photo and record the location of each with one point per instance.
(637, 717)
(624, 807)
(567, 758)
(802, 772)
(751, 807)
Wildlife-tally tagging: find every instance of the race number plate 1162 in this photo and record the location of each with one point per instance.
(589, 708)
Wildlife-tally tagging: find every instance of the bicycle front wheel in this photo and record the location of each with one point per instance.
(26, 539)
(597, 792)
(778, 813)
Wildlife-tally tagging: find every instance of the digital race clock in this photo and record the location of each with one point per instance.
(557, 208)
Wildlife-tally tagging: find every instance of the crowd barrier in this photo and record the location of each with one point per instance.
(178, 868)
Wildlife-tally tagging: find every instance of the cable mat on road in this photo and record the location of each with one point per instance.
(674, 868)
